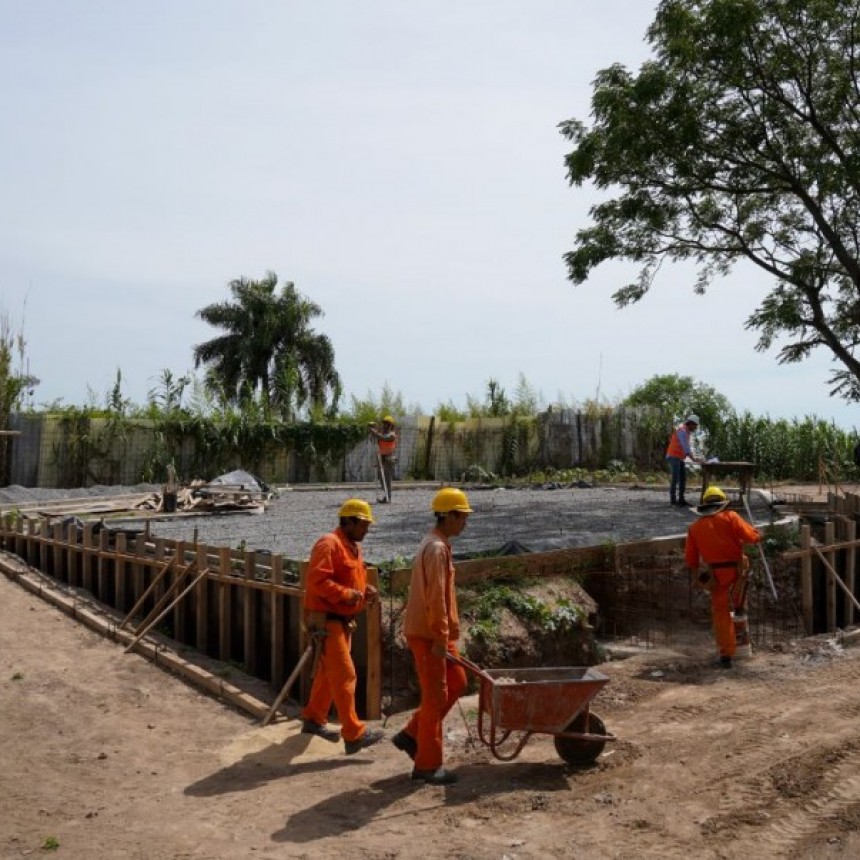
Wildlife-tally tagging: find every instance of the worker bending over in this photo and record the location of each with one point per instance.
(432, 627)
(336, 590)
(718, 539)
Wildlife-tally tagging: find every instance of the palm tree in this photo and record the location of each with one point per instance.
(268, 349)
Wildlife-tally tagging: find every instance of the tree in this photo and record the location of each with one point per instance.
(738, 141)
(269, 349)
(674, 397)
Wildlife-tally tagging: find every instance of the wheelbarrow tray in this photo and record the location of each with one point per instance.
(538, 699)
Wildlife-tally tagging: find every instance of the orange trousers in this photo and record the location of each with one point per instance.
(334, 682)
(724, 598)
(442, 683)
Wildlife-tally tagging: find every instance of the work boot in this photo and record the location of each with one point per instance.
(368, 739)
(683, 503)
(309, 727)
(726, 662)
(440, 776)
(405, 743)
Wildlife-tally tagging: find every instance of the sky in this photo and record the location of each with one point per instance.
(400, 162)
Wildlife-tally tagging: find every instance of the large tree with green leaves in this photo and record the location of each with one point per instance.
(673, 397)
(269, 352)
(739, 140)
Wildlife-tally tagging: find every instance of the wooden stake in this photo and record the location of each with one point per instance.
(158, 577)
(142, 633)
(836, 577)
(290, 681)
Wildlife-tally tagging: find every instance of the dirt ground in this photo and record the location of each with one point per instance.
(105, 755)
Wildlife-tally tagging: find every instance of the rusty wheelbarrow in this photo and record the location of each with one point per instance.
(552, 700)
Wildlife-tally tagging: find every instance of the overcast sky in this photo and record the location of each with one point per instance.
(400, 162)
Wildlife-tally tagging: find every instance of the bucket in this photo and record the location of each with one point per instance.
(743, 646)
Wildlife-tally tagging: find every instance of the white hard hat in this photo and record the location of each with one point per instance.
(691, 419)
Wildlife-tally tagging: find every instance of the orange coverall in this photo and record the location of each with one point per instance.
(335, 571)
(718, 539)
(432, 619)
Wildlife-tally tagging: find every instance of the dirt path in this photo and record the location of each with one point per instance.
(111, 757)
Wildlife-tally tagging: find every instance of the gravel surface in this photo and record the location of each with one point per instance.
(538, 519)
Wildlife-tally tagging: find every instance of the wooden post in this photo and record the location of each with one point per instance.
(806, 581)
(276, 603)
(224, 599)
(120, 590)
(202, 598)
(180, 613)
(306, 678)
(830, 582)
(73, 556)
(137, 584)
(43, 545)
(373, 657)
(87, 557)
(59, 568)
(850, 570)
(102, 562)
(249, 615)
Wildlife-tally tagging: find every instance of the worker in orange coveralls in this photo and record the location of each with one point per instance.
(432, 628)
(336, 590)
(718, 539)
(386, 440)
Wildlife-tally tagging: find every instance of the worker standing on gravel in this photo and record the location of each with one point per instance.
(386, 440)
(718, 539)
(432, 627)
(677, 452)
(336, 590)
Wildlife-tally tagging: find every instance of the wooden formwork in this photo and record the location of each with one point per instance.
(240, 607)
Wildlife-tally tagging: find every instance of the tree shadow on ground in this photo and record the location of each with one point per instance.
(354, 809)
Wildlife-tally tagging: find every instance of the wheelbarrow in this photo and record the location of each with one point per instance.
(552, 700)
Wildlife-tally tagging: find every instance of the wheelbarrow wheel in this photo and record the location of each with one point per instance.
(578, 751)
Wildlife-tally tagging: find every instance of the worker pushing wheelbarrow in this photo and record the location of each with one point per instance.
(552, 700)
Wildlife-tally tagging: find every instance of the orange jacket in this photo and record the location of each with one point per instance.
(679, 444)
(335, 570)
(719, 537)
(387, 444)
(431, 611)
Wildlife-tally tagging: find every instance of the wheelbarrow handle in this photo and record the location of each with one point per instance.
(469, 665)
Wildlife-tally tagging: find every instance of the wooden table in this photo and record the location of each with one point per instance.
(743, 470)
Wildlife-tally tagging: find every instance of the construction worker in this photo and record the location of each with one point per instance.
(336, 590)
(386, 440)
(677, 452)
(718, 539)
(432, 627)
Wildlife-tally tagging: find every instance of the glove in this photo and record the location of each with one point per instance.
(704, 576)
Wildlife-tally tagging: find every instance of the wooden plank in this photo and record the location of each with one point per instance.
(850, 571)
(159, 576)
(120, 573)
(102, 565)
(807, 601)
(73, 556)
(373, 657)
(276, 612)
(180, 607)
(87, 557)
(202, 601)
(830, 582)
(58, 567)
(224, 601)
(249, 616)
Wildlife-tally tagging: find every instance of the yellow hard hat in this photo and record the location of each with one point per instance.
(450, 499)
(713, 496)
(357, 508)
(387, 420)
